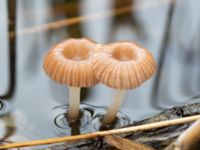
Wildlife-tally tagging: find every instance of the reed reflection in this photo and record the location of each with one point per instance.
(178, 75)
(127, 21)
(11, 4)
(162, 56)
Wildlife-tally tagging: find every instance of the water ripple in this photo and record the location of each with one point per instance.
(121, 120)
(65, 127)
(89, 121)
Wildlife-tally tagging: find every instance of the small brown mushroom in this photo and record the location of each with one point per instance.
(123, 66)
(70, 63)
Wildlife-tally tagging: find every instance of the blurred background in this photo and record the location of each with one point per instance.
(170, 29)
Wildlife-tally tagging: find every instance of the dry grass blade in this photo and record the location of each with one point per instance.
(125, 144)
(103, 133)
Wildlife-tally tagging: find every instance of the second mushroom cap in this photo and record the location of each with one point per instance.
(123, 65)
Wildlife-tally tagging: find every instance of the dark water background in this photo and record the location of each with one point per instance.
(170, 29)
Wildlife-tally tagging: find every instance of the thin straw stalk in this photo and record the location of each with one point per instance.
(103, 133)
(114, 107)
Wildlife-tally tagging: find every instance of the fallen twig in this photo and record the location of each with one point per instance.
(103, 133)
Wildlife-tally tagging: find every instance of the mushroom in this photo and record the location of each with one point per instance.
(69, 63)
(123, 66)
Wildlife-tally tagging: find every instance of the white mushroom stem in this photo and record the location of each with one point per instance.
(74, 103)
(114, 107)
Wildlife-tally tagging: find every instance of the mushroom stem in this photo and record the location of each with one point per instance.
(74, 103)
(114, 107)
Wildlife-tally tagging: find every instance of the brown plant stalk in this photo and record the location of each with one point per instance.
(102, 133)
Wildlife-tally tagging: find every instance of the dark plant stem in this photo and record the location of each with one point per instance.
(162, 56)
(12, 48)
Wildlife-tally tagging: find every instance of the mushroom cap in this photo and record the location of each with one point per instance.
(123, 65)
(69, 62)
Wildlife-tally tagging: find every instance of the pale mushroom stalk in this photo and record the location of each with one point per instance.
(110, 115)
(74, 103)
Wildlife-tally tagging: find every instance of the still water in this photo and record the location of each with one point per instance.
(32, 105)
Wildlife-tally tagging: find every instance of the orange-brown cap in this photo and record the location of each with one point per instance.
(123, 65)
(69, 62)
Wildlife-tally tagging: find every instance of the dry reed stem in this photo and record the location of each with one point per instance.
(102, 133)
(99, 15)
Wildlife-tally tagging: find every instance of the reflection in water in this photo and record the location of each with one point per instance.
(2, 106)
(90, 120)
(128, 21)
(121, 120)
(163, 52)
(75, 30)
(85, 93)
(190, 54)
(35, 43)
(32, 65)
(64, 125)
(189, 58)
(179, 72)
(11, 4)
